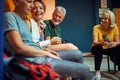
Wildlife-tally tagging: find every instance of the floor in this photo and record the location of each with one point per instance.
(89, 60)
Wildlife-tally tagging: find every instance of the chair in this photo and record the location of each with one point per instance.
(114, 63)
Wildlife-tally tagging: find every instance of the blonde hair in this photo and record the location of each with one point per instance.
(111, 16)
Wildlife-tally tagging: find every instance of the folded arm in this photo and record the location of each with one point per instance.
(15, 40)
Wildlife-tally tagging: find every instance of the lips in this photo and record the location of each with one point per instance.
(39, 13)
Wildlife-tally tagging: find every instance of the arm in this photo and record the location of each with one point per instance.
(116, 42)
(108, 44)
(96, 38)
(14, 38)
(53, 41)
(95, 41)
(102, 43)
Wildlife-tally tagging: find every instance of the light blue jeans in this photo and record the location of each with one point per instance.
(70, 65)
(71, 55)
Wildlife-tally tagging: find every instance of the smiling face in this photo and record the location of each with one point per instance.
(38, 10)
(58, 17)
(105, 19)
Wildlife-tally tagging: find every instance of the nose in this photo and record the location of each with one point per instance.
(103, 20)
(57, 17)
(38, 9)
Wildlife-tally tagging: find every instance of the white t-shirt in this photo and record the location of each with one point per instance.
(36, 35)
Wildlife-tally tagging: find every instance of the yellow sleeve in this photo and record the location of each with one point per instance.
(95, 30)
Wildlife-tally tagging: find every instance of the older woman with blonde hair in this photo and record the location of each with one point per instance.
(105, 41)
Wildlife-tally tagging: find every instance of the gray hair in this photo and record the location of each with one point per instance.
(111, 16)
(60, 8)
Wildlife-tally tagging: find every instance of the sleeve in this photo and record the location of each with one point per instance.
(9, 22)
(95, 30)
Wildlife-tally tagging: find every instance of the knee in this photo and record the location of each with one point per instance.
(96, 50)
(71, 46)
(79, 55)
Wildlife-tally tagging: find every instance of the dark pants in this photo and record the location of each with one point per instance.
(98, 51)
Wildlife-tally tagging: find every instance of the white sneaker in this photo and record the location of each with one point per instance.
(97, 76)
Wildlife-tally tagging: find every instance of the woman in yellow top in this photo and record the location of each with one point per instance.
(105, 41)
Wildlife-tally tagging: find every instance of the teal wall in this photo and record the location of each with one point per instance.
(77, 26)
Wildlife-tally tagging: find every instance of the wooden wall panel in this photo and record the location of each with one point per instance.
(8, 5)
(50, 6)
(117, 13)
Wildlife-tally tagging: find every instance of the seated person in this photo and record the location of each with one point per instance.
(105, 41)
(53, 26)
(36, 26)
(18, 40)
(53, 29)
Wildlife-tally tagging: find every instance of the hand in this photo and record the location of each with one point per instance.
(113, 44)
(110, 44)
(56, 40)
(107, 44)
(54, 56)
(51, 51)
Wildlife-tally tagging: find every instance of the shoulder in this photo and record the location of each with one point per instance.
(97, 26)
(10, 17)
(32, 21)
(10, 20)
(8, 14)
(115, 27)
(47, 21)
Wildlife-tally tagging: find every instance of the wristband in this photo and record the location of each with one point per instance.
(44, 43)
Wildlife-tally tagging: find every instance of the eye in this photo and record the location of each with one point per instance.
(104, 18)
(41, 7)
(30, 1)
